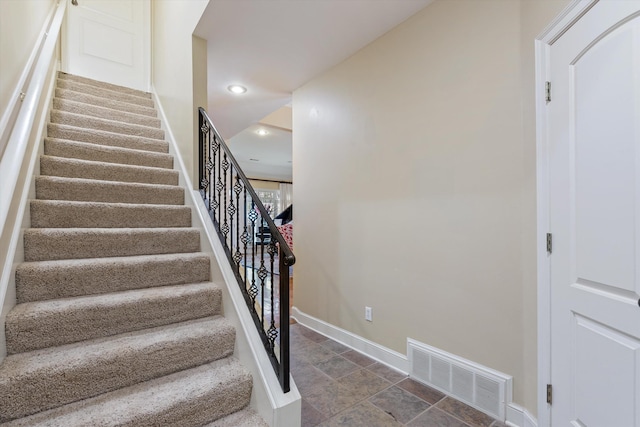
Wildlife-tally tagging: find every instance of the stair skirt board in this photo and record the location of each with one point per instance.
(117, 320)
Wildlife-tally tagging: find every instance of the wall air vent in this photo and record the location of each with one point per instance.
(483, 388)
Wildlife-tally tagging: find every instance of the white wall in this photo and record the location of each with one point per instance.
(172, 70)
(415, 186)
(21, 22)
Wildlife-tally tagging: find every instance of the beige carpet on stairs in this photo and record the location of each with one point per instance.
(117, 321)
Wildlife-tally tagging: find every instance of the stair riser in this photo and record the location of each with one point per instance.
(58, 279)
(106, 138)
(109, 192)
(45, 325)
(109, 86)
(61, 167)
(101, 153)
(87, 122)
(104, 93)
(109, 370)
(55, 244)
(104, 113)
(103, 102)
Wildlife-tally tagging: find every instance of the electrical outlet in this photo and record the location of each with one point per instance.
(368, 314)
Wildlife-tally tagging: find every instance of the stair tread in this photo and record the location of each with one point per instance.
(62, 188)
(82, 302)
(43, 280)
(102, 92)
(79, 107)
(122, 184)
(43, 244)
(116, 172)
(108, 261)
(162, 401)
(86, 80)
(70, 203)
(102, 137)
(101, 123)
(41, 324)
(107, 150)
(87, 98)
(85, 369)
(76, 214)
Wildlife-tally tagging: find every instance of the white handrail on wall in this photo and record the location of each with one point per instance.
(15, 151)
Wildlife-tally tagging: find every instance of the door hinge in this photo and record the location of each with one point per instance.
(549, 394)
(547, 91)
(549, 243)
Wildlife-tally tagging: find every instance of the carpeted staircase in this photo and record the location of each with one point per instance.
(117, 322)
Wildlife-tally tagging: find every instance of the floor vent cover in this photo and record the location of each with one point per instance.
(481, 387)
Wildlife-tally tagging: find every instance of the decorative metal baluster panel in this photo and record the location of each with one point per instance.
(256, 251)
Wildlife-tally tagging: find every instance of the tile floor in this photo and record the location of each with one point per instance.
(341, 387)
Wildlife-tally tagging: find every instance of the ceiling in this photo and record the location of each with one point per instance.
(273, 47)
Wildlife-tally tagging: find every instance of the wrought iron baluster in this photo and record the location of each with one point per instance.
(245, 234)
(219, 187)
(272, 332)
(203, 184)
(237, 256)
(225, 224)
(230, 210)
(253, 289)
(262, 272)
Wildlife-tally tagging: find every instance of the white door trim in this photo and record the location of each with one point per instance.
(574, 11)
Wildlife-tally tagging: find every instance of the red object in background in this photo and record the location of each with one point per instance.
(287, 232)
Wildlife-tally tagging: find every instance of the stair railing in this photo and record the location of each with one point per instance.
(260, 260)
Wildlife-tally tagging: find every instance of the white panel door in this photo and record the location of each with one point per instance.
(108, 40)
(594, 159)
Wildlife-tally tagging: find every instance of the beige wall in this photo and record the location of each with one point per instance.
(20, 24)
(264, 185)
(176, 59)
(415, 186)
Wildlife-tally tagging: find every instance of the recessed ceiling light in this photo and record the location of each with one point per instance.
(237, 89)
(262, 132)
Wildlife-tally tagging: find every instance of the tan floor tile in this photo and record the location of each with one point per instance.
(332, 399)
(364, 383)
(424, 392)
(310, 377)
(434, 417)
(387, 373)
(364, 415)
(400, 404)
(335, 346)
(337, 367)
(358, 358)
(310, 416)
(465, 412)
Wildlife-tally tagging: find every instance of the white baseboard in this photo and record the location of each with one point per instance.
(517, 416)
(384, 355)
